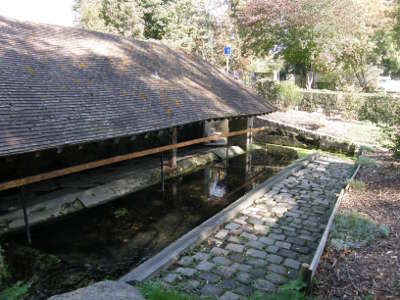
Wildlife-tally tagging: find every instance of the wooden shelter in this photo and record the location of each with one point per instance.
(71, 98)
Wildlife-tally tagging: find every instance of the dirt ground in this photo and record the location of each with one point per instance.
(372, 271)
(364, 133)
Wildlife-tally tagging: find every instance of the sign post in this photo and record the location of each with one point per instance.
(227, 52)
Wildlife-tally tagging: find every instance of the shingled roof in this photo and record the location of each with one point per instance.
(64, 86)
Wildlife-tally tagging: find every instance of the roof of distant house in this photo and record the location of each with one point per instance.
(65, 86)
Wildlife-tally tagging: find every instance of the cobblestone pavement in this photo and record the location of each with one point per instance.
(264, 245)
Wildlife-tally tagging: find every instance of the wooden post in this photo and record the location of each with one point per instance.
(174, 152)
(305, 274)
(162, 171)
(250, 124)
(26, 220)
(236, 125)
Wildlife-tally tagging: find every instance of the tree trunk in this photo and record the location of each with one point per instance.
(309, 79)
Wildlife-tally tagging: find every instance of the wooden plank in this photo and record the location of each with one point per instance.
(109, 161)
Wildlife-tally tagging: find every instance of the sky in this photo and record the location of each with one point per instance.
(60, 12)
(57, 12)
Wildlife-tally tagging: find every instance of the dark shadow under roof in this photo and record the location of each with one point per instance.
(64, 86)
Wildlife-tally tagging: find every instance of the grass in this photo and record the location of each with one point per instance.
(293, 290)
(154, 291)
(366, 133)
(303, 152)
(353, 230)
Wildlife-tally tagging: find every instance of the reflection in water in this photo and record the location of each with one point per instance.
(116, 242)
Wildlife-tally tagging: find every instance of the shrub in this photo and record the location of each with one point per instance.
(288, 94)
(366, 162)
(352, 104)
(15, 292)
(267, 89)
(308, 103)
(381, 109)
(328, 102)
(353, 230)
(384, 110)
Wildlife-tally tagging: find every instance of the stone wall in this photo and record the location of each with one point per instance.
(288, 135)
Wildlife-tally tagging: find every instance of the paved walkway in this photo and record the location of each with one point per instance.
(264, 245)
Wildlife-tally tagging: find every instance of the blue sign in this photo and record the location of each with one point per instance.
(227, 50)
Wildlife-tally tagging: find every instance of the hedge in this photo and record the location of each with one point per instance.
(348, 105)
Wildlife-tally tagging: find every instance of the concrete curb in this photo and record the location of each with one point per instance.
(171, 253)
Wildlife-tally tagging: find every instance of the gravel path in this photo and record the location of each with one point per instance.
(264, 245)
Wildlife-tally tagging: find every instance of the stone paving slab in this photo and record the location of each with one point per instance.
(103, 290)
(264, 245)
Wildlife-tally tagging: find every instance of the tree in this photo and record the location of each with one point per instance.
(311, 34)
(362, 51)
(130, 18)
(186, 24)
(190, 27)
(122, 17)
(111, 16)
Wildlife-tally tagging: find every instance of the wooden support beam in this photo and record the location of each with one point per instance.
(174, 152)
(109, 161)
(249, 142)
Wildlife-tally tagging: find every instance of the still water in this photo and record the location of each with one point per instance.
(108, 241)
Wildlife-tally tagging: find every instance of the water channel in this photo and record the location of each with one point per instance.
(108, 241)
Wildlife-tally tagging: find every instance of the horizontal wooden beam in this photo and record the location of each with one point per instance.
(109, 161)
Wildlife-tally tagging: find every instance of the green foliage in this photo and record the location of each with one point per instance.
(367, 162)
(357, 185)
(381, 109)
(384, 230)
(387, 52)
(352, 105)
(308, 103)
(353, 230)
(155, 291)
(288, 94)
(120, 212)
(365, 148)
(111, 16)
(293, 290)
(15, 292)
(268, 90)
(396, 146)
(384, 110)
